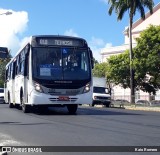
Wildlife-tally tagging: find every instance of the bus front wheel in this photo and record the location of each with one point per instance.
(9, 102)
(72, 108)
(25, 108)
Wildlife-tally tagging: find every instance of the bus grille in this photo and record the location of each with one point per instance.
(56, 99)
(103, 98)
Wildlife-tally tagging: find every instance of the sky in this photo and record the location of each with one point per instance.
(88, 19)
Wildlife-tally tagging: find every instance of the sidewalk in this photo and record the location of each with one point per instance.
(133, 107)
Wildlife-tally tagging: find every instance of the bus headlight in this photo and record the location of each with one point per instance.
(86, 88)
(38, 88)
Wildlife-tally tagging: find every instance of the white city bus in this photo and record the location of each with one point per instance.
(50, 71)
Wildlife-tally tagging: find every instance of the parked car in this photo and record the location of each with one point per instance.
(155, 103)
(143, 103)
(1, 95)
(119, 102)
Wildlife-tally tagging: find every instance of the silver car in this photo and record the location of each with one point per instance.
(120, 102)
(1, 95)
(143, 103)
(155, 103)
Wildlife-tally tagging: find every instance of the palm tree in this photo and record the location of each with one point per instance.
(120, 7)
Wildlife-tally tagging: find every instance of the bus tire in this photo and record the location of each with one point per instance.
(9, 102)
(25, 108)
(72, 108)
(18, 106)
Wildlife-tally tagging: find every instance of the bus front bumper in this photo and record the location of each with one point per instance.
(37, 98)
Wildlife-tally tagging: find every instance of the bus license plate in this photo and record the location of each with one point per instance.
(63, 98)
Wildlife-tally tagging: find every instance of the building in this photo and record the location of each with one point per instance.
(137, 28)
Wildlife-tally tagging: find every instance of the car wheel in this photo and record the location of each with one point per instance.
(122, 106)
(111, 105)
(107, 105)
(91, 105)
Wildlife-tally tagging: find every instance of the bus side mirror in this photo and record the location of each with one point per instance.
(92, 63)
(91, 56)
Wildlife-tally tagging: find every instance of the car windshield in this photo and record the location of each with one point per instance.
(101, 90)
(60, 64)
(1, 90)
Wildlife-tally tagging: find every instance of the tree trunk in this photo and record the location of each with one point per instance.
(132, 95)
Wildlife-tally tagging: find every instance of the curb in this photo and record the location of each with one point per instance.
(132, 107)
(155, 109)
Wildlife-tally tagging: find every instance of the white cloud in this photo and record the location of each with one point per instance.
(24, 41)
(71, 32)
(104, 1)
(96, 44)
(11, 28)
(108, 45)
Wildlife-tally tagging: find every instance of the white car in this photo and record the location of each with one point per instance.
(101, 96)
(1, 95)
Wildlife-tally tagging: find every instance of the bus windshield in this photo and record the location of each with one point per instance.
(60, 63)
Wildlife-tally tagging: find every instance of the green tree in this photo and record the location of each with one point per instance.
(120, 7)
(95, 61)
(118, 69)
(100, 69)
(147, 59)
(3, 63)
(146, 63)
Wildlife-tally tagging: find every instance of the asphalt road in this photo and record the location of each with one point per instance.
(91, 126)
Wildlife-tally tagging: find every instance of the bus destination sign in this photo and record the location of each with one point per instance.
(59, 42)
(56, 42)
(64, 42)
